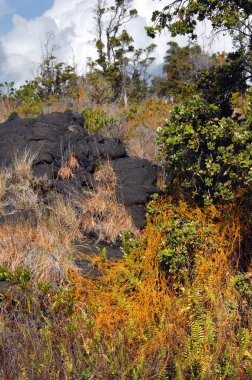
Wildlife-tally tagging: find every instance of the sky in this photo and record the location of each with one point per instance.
(25, 25)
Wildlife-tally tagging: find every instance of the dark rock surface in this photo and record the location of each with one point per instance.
(137, 180)
(53, 138)
(90, 248)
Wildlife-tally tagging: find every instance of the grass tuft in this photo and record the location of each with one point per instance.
(102, 215)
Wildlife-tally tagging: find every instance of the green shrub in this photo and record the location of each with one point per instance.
(181, 237)
(29, 102)
(96, 119)
(21, 275)
(129, 242)
(206, 156)
(243, 286)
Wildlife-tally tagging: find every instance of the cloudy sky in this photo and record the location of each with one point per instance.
(24, 25)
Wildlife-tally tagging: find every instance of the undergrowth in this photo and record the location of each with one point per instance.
(155, 314)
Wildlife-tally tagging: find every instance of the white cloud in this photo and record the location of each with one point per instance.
(71, 22)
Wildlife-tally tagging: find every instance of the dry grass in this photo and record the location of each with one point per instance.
(16, 192)
(5, 175)
(66, 172)
(36, 249)
(22, 165)
(141, 126)
(6, 108)
(64, 213)
(134, 321)
(141, 143)
(102, 215)
(151, 114)
(45, 249)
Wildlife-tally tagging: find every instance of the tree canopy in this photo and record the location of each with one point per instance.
(181, 16)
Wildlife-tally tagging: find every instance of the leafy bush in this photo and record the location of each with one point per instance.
(183, 236)
(28, 101)
(206, 156)
(96, 119)
(21, 275)
(129, 242)
(243, 286)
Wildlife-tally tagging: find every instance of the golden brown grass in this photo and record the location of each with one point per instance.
(16, 191)
(141, 126)
(151, 114)
(4, 177)
(7, 106)
(135, 320)
(66, 171)
(141, 143)
(22, 165)
(150, 326)
(101, 214)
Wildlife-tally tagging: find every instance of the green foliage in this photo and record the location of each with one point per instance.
(177, 250)
(180, 17)
(137, 70)
(20, 275)
(180, 239)
(28, 99)
(96, 119)
(56, 81)
(128, 242)
(99, 88)
(206, 156)
(7, 90)
(233, 17)
(221, 80)
(243, 286)
(182, 69)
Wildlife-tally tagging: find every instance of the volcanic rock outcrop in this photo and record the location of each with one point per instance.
(54, 137)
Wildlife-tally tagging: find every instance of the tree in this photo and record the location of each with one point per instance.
(109, 23)
(119, 62)
(182, 69)
(139, 64)
(113, 43)
(55, 78)
(54, 81)
(233, 17)
(7, 90)
(180, 17)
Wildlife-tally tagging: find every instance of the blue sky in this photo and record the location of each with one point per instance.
(28, 9)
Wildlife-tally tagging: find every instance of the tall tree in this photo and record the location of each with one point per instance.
(233, 17)
(110, 19)
(113, 42)
(225, 77)
(118, 61)
(139, 64)
(182, 68)
(53, 77)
